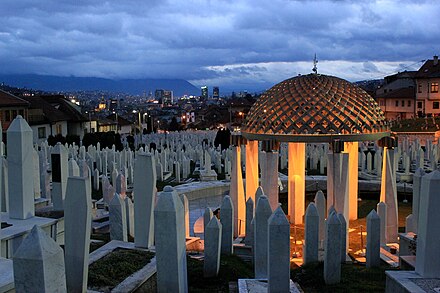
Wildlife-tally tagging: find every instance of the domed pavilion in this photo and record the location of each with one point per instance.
(313, 108)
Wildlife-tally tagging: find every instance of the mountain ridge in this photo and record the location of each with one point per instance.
(139, 86)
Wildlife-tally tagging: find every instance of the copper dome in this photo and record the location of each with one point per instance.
(312, 107)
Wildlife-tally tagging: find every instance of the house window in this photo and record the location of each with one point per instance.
(397, 103)
(14, 114)
(403, 103)
(435, 105)
(41, 132)
(434, 87)
(21, 112)
(419, 88)
(59, 129)
(409, 103)
(419, 105)
(7, 115)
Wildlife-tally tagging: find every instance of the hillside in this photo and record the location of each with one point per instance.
(131, 86)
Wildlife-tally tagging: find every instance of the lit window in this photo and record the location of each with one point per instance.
(435, 105)
(434, 87)
(59, 129)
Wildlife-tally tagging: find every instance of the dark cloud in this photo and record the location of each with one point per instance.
(223, 42)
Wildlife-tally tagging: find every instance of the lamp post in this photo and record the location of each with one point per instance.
(117, 124)
(90, 121)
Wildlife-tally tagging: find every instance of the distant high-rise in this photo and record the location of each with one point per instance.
(114, 105)
(158, 95)
(215, 92)
(204, 95)
(167, 99)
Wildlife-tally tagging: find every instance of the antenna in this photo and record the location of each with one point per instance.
(315, 62)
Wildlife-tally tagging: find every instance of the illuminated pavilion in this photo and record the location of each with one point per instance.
(313, 108)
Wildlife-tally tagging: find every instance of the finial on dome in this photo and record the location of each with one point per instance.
(315, 62)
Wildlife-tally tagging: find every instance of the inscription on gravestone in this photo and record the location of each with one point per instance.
(56, 168)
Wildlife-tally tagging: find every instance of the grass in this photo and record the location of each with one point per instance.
(354, 278)
(232, 268)
(107, 272)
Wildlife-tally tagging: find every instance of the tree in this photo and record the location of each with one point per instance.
(222, 138)
(174, 125)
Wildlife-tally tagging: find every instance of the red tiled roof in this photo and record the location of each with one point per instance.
(405, 93)
(51, 114)
(429, 70)
(9, 100)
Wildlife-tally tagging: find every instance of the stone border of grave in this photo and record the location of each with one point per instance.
(132, 282)
(261, 285)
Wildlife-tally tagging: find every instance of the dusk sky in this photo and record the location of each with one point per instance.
(235, 44)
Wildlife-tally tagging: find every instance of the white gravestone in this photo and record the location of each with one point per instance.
(373, 240)
(117, 219)
(144, 190)
(226, 219)
(332, 254)
(170, 243)
(20, 166)
(77, 226)
(213, 232)
(263, 212)
(278, 271)
(39, 264)
(311, 234)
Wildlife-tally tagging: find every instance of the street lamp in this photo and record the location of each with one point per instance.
(117, 124)
(139, 119)
(90, 121)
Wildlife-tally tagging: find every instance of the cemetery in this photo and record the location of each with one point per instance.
(313, 194)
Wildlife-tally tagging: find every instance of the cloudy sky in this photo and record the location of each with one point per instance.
(237, 44)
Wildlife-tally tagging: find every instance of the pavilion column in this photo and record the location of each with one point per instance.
(236, 191)
(296, 181)
(337, 179)
(352, 148)
(269, 174)
(251, 168)
(388, 188)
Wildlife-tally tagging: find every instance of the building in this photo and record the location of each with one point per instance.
(115, 122)
(10, 107)
(397, 104)
(427, 93)
(55, 115)
(114, 105)
(167, 99)
(397, 81)
(215, 92)
(158, 95)
(102, 105)
(204, 95)
(164, 97)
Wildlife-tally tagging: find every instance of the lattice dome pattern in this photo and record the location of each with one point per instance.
(315, 104)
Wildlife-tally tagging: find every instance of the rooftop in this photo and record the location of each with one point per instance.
(316, 108)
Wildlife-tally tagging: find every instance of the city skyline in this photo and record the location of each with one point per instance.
(232, 44)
